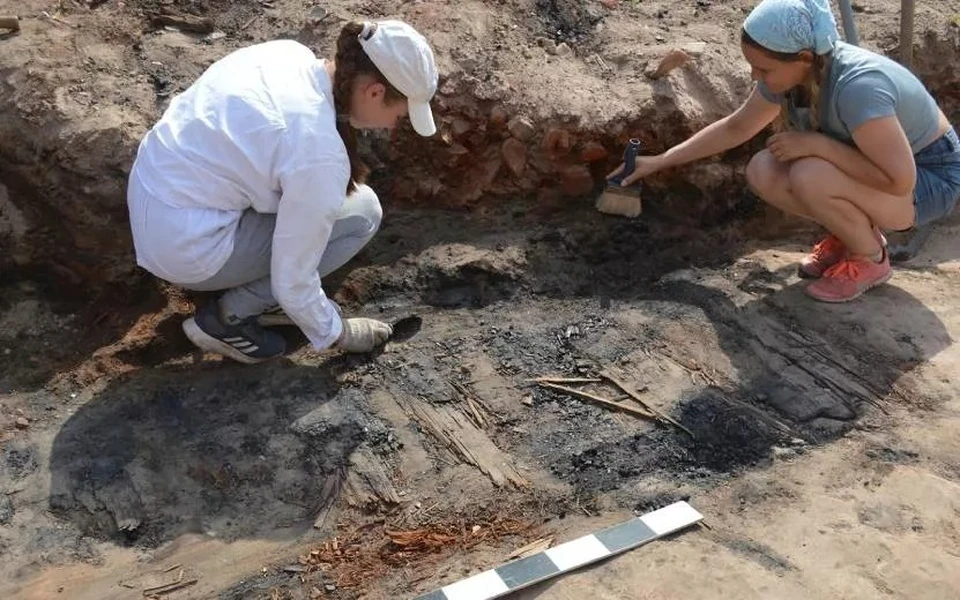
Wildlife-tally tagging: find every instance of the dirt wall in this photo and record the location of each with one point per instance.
(536, 100)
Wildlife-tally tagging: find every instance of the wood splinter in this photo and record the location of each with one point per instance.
(10, 22)
(58, 20)
(566, 380)
(643, 403)
(168, 588)
(184, 23)
(594, 398)
(646, 411)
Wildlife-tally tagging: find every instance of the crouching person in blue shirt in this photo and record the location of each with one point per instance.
(863, 147)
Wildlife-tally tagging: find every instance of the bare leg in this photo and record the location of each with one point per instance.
(852, 212)
(849, 209)
(814, 189)
(770, 179)
(817, 190)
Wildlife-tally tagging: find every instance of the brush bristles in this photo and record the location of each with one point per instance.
(623, 202)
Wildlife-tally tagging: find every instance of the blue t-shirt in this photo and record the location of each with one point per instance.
(861, 85)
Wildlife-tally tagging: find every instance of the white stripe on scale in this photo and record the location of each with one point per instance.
(671, 518)
(482, 586)
(578, 552)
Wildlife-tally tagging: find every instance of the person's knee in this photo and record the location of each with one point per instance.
(809, 178)
(762, 173)
(365, 203)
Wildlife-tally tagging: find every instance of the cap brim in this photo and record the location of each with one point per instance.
(421, 117)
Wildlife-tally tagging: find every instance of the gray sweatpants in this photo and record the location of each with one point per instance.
(246, 274)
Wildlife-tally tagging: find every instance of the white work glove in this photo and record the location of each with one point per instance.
(363, 335)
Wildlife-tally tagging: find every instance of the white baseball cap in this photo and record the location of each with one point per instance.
(406, 60)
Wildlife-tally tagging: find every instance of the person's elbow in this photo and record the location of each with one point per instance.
(902, 182)
(737, 130)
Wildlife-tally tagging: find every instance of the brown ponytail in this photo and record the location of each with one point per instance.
(351, 61)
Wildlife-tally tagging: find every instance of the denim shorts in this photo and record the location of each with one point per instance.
(938, 179)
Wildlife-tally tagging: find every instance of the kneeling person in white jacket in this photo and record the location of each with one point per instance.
(251, 184)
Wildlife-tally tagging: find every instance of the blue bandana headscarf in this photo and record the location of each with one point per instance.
(793, 25)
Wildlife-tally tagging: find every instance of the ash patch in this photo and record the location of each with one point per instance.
(467, 286)
(521, 350)
(7, 509)
(761, 281)
(587, 260)
(447, 276)
(239, 452)
(19, 459)
(728, 437)
(603, 468)
(727, 434)
(265, 586)
(763, 555)
(657, 501)
(567, 20)
(384, 442)
(893, 455)
(51, 545)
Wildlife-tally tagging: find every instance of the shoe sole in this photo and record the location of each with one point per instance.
(854, 297)
(208, 343)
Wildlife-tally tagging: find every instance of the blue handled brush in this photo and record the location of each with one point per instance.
(619, 200)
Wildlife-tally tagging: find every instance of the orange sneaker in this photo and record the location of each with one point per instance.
(850, 278)
(825, 254)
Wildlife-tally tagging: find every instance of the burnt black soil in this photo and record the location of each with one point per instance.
(245, 451)
(574, 255)
(727, 438)
(238, 451)
(568, 21)
(804, 376)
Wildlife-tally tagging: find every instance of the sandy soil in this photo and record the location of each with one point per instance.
(824, 438)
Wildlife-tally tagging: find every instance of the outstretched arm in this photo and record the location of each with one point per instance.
(731, 131)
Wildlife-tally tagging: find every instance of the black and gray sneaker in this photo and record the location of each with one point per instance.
(244, 341)
(904, 245)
